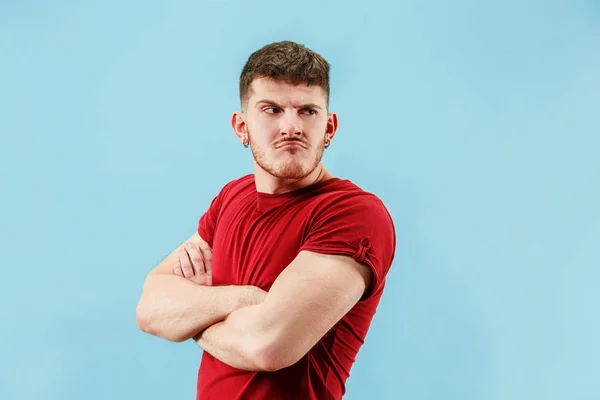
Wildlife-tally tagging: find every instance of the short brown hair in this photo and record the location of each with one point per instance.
(285, 61)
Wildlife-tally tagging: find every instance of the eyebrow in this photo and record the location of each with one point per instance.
(272, 103)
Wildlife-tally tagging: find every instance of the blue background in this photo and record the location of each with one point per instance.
(476, 122)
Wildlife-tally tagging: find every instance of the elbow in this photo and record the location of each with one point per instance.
(273, 356)
(143, 319)
(148, 323)
(266, 363)
(143, 312)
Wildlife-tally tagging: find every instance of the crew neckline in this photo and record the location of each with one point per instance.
(266, 201)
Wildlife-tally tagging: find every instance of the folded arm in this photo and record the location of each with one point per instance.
(175, 308)
(307, 299)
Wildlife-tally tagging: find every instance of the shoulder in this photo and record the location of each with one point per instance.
(346, 208)
(241, 182)
(237, 186)
(348, 220)
(344, 199)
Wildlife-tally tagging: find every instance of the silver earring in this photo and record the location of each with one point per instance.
(327, 143)
(246, 143)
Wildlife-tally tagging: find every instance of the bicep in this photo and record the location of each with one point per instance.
(311, 295)
(166, 265)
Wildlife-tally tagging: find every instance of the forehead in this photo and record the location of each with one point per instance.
(282, 92)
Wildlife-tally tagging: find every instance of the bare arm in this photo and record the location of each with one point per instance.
(236, 340)
(310, 296)
(176, 308)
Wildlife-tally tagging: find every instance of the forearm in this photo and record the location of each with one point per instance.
(234, 340)
(246, 339)
(305, 302)
(176, 309)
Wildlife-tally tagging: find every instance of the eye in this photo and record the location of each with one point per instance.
(271, 110)
(309, 111)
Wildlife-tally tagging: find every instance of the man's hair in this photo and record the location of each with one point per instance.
(285, 61)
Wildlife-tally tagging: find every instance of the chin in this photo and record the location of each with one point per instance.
(287, 166)
(291, 171)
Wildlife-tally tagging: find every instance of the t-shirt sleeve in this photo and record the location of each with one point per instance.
(360, 227)
(208, 221)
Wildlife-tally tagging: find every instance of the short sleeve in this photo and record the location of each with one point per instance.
(360, 227)
(208, 221)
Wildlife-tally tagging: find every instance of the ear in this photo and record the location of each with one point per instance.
(332, 126)
(238, 123)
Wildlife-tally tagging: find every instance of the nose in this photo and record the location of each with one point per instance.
(290, 124)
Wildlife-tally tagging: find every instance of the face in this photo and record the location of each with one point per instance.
(287, 127)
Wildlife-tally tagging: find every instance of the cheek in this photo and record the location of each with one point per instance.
(262, 122)
(319, 124)
(318, 129)
(266, 130)
(262, 136)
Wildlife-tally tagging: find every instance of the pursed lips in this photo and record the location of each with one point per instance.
(291, 143)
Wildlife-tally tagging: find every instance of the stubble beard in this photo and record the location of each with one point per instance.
(293, 170)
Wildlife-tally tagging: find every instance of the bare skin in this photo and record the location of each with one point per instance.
(287, 127)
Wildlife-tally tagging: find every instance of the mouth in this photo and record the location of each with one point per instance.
(291, 144)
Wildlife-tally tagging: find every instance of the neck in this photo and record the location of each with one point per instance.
(267, 183)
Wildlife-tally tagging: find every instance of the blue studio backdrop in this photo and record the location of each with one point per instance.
(476, 122)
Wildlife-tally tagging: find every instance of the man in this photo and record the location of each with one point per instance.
(282, 278)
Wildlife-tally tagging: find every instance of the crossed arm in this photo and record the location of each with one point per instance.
(312, 294)
(178, 301)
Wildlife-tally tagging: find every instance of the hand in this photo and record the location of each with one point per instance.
(195, 263)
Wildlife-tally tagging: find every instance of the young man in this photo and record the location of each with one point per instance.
(281, 281)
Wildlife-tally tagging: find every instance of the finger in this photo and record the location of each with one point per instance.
(186, 266)
(196, 258)
(177, 269)
(207, 255)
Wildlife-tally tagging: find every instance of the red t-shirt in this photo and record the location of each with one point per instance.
(254, 236)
